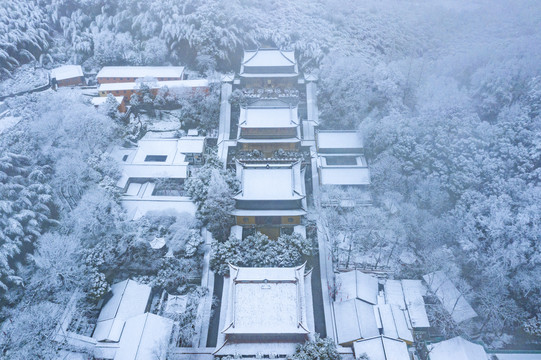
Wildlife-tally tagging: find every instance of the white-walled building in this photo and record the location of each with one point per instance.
(154, 172)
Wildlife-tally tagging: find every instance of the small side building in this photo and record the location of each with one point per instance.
(124, 74)
(341, 165)
(101, 100)
(67, 75)
(456, 348)
(452, 300)
(153, 176)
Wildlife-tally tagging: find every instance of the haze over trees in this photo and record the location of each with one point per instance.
(447, 94)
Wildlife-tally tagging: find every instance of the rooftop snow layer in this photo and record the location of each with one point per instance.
(129, 299)
(191, 144)
(145, 337)
(266, 301)
(344, 175)
(355, 319)
(66, 72)
(382, 348)
(273, 183)
(456, 348)
(171, 85)
(141, 72)
(268, 58)
(350, 140)
(356, 284)
(452, 299)
(268, 117)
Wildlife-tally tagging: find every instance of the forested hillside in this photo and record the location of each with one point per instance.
(447, 94)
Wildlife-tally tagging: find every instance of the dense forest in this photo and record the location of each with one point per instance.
(446, 93)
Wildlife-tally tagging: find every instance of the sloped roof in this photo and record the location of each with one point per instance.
(413, 296)
(129, 299)
(66, 72)
(268, 117)
(456, 348)
(355, 319)
(382, 348)
(145, 337)
(452, 299)
(339, 139)
(356, 284)
(394, 324)
(141, 71)
(270, 182)
(268, 63)
(266, 301)
(353, 175)
(408, 295)
(171, 85)
(268, 57)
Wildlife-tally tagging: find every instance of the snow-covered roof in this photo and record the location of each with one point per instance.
(152, 171)
(354, 319)
(100, 100)
(153, 158)
(66, 72)
(268, 117)
(129, 299)
(382, 348)
(141, 72)
(456, 348)
(138, 207)
(270, 182)
(413, 296)
(394, 293)
(171, 85)
(268, 57)
(345, 140)
(145, 337)
(268, 141)
(287, 212)
(266, 301)
(277, 348)
(394, 323)
(256, 63)
(191, 144)
(344, 175)
(167, 147)
(408, 295)
(356, 284)
(452, 299)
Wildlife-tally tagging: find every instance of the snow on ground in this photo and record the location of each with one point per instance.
(24, 78)
(8, 122)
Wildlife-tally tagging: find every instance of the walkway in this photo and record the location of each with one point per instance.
(325, 259)
(225, 120)
(205, 306)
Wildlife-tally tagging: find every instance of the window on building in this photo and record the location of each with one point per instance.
(156, 158)
(245, 219)
(290, 220)
(341, 160)
(125, 157)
